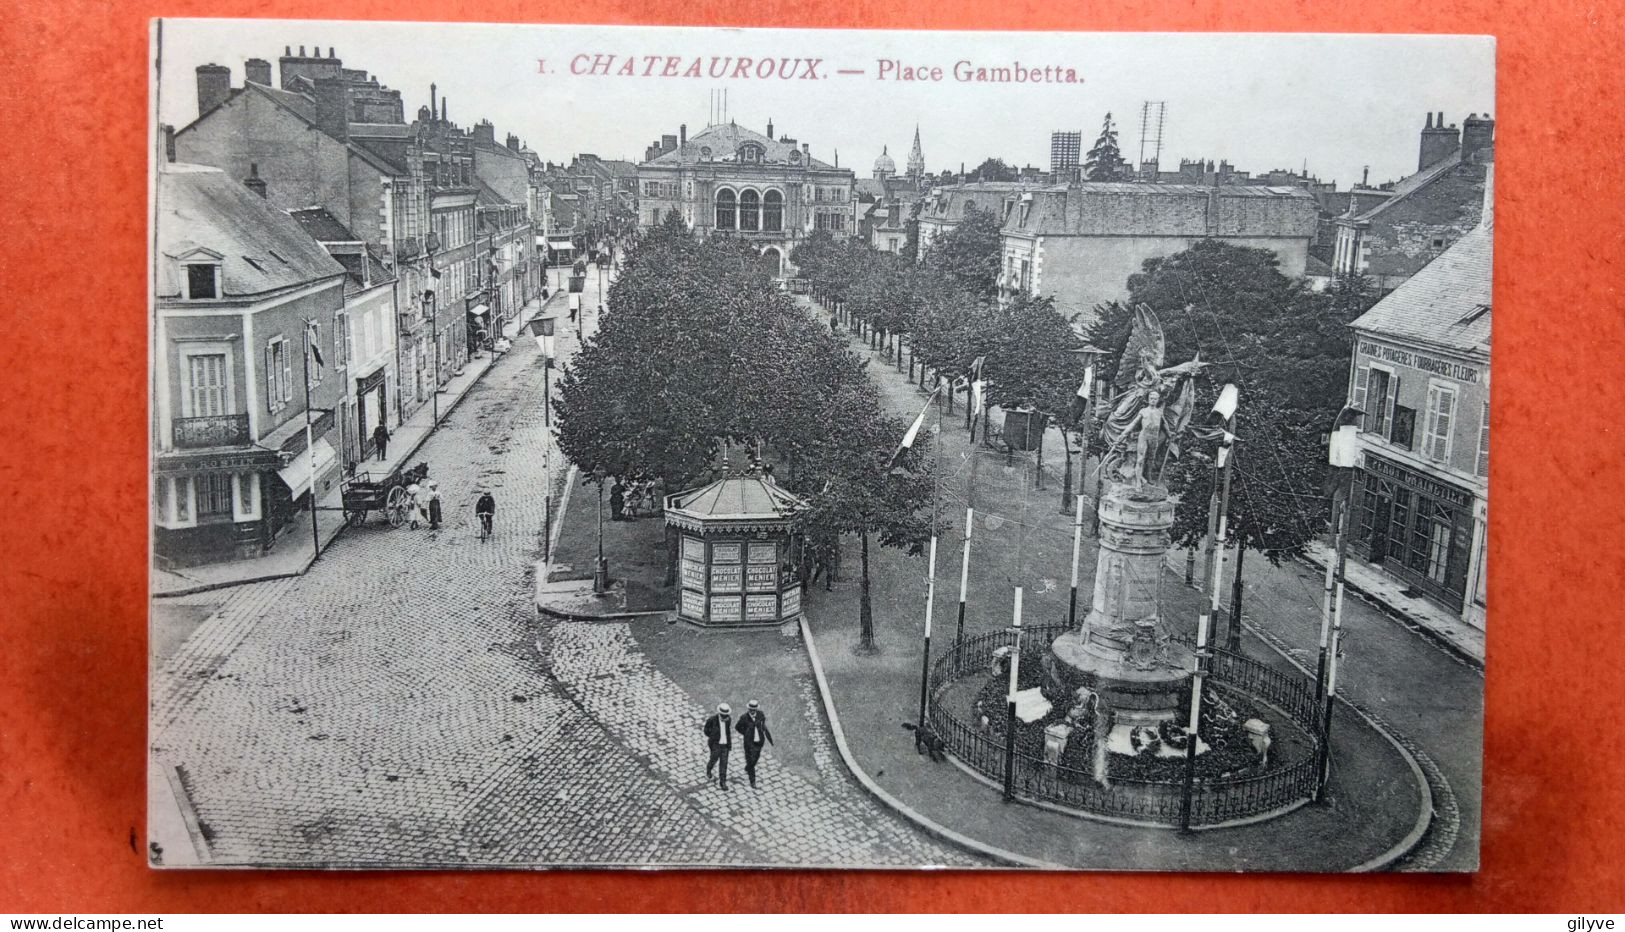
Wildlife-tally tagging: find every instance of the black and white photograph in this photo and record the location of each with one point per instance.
(594, 447)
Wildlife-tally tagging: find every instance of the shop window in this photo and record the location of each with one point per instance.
(1399, 520)
(214, 496)
(183, 499)
(750, 211)
(727, 209)
(245, 489)
(1484, 443)
(1440, 421)
(773, 212)
(160, 500)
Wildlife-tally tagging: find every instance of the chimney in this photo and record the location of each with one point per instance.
(486, 132)
(682, 134)
(1478, 137)
(770, 128)
(169, 142)
(1438, 142)
(213, 87)
(332, 108)
(257, 70)
(434, 104)
(445, 110)
(514, 143)
(1365, 176)
(254, 182)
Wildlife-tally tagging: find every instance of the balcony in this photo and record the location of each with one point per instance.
(220, 430)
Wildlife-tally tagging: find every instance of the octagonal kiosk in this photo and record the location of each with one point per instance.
(734, 553)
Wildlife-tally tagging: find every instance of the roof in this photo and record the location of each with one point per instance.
(1313, 267)
(724, 141)
(1445, 304)
(1412, 183)
(260, 249)
(951, 203)
(1088, 208)
(322, 226)
(305, 109)
(733, 499)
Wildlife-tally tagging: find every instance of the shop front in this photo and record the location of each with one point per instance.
(735, 566)
(208, 506)
(371, 408)
(1417, 527)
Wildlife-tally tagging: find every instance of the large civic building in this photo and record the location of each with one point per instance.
(734, 181)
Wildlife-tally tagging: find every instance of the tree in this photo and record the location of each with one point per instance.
(969, 254)
(994, 169)
(1105, 161)
(1285, 347)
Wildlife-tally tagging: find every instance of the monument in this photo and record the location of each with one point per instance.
(1123, 654)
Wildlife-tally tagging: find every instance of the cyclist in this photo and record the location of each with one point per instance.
(485, 509)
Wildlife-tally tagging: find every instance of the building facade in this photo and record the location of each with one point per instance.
(1421, 373)
(1424, 214)
(728, 180)
(944, 207)
(239, 288)
(1079, 243)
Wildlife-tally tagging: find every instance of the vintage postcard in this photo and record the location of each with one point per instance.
(596, 447)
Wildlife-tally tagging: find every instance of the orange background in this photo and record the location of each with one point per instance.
(73, 435)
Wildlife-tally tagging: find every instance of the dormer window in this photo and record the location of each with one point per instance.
(751, 153)
(202, 281)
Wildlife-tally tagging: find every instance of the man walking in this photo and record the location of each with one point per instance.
(434, 505)
(380, 439)
(718, 735)
(753, 729)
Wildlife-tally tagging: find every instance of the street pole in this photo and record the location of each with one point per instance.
(1218, 520)
(310, 450)
(600, 574)
(964, 575)
(1010, 709)
(930, 602)
(434, 335)
(1340, 561)
(1077, 544)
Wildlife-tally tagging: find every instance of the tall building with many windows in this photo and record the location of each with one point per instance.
(733, 181)
(1421, 373)
(1065, 150)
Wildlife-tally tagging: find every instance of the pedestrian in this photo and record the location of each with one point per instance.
(834, 325)
(753, 729)
(617, 500)
(434, 505)
(414, 503)
(718, 736)
(485, 510)
(380, 439)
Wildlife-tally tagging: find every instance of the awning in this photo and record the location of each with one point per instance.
(564, 243)
(541, 242)
(479, 310)
(296, 475)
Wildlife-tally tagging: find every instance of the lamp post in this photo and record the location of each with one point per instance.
(1224, 412)
(542, 329)
(1082, 413)
(1343, 453)
(434, 337)
(600, 574)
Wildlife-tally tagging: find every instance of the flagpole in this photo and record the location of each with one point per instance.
(1077, 544)
(1010, 708)
(310, 448)
(931, 570)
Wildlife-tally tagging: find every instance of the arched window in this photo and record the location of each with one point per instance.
(726, 209)
(773, 212)
(750, 211)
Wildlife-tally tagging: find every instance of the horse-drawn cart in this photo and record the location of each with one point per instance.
(364, 492)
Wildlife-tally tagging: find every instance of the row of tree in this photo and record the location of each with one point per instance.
(698, 351)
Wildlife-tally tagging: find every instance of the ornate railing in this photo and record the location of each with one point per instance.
(1214, 801)
(220, 430)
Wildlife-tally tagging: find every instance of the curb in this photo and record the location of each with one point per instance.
(1003, 857)
(410, 452)
(183, 803)
(1422, 628)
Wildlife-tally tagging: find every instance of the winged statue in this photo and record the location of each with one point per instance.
(1152, 406)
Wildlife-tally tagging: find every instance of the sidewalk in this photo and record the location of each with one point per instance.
(634, 548)
(293, 553)
(1433, 621)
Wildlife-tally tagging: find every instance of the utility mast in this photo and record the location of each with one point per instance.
(1152, 115)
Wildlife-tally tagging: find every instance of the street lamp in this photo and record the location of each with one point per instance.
(1082, 413)
(600, 573)
(1342, 454)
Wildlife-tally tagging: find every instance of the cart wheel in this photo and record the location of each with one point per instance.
(395, 506)
(355, 516)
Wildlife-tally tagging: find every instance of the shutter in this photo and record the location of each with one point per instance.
(1392, 402)
(287, 374)
(271, 397)
(1361, 376)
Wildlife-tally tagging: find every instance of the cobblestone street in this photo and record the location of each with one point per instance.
(391, 705)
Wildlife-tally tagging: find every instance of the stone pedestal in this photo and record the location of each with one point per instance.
(1123, 651)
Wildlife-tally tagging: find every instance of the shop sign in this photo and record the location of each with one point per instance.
(727, 608)
(764, 553)
(726, 553)
(762, 608)
(694, 549)
(1461, 372)
(725, 578)
(762, 578)
(693, 574)
(792, 601)
(1427, 485)
(693, 604)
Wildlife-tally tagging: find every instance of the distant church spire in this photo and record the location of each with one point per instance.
(916, 158)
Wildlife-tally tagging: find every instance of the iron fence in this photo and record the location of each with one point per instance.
(1214, 801)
